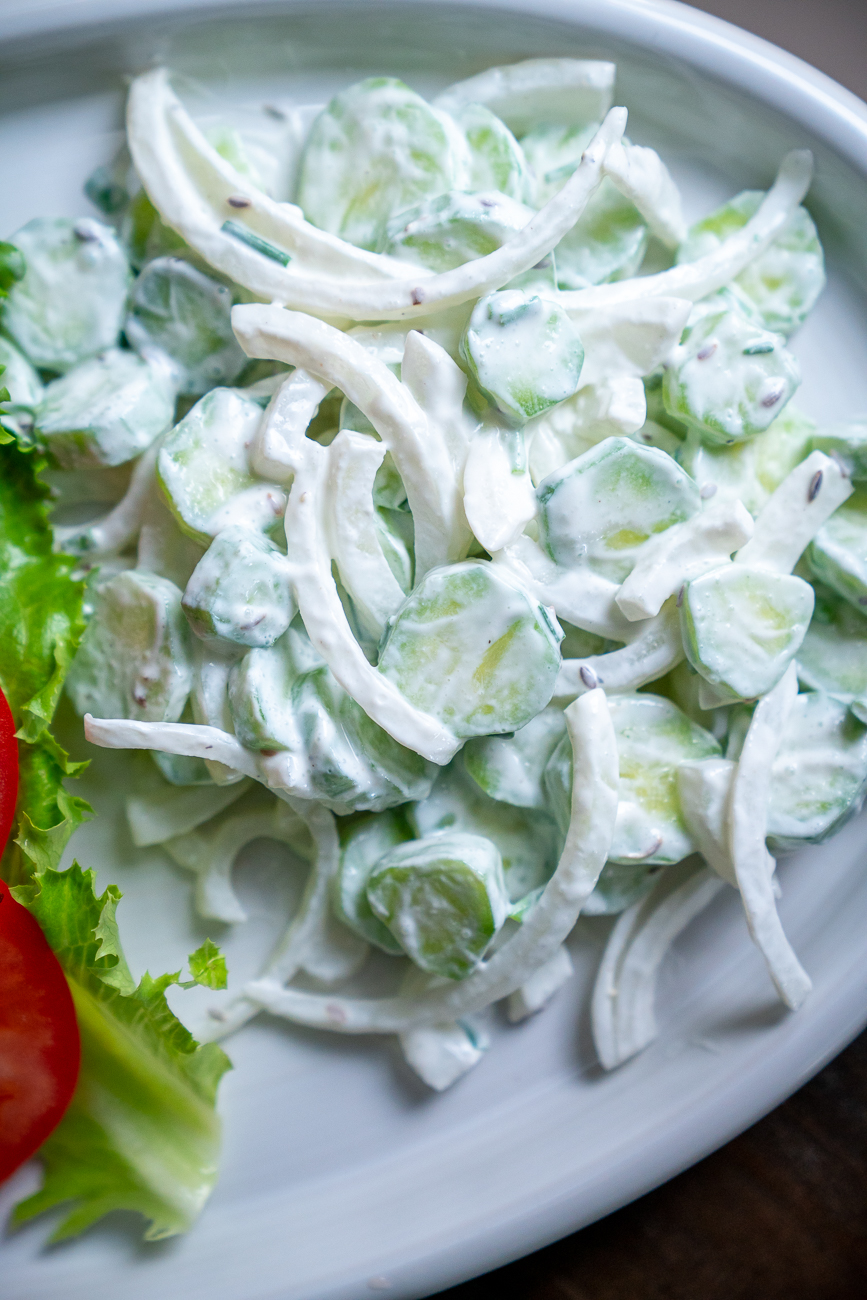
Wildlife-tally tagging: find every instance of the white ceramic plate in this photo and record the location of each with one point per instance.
(342, 1176)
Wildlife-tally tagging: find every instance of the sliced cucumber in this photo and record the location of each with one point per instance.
(742, 627)
(601, 507)
(474, 649)
(204, 472)
(135, 657)
(106, 411)
(72, 300)
(443, 898)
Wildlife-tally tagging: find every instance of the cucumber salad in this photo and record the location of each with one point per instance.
(446, 515)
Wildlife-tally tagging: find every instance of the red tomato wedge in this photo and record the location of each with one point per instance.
(40, 1050)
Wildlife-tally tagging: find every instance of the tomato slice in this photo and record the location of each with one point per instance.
(40, 1050)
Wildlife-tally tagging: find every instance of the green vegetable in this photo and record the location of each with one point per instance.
(376, 149)
(619, 886)
(742, 627)
(363, 841)
(653, 738)
(472, 648)
(553, 152)
(185, 314)
(496, 160)
(180, 770)
(24, 389)
(838, 553)
(833, 655)
(140, 1133)
(280, 702)
(527, 839)
(523, 351)
(71, 302)
(12, 267)
(443, 898)
(453, 228)
(601, 507)
(134, 660)
(104, 189)
(784, 281)
(847, 442)
(819, 774)
(204, 472)
(609, 239)
(208, 967)
(145, 236)
(511, 768)
(239, 591)
(607, 242)
(731, 379)
(751, 470)
(105, 411)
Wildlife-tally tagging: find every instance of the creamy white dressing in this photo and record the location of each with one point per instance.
(375, 548)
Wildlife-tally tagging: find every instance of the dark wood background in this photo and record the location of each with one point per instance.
(781, 1212)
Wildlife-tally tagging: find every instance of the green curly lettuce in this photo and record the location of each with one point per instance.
(141, 1132)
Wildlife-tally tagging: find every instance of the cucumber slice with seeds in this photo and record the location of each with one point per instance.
(375, 150)
(523, 352)
(653, 738)
(820, 772)
(135, 657)
(511, 768)
(72, 300)
(363, 841)
(601, 507)
(106, 411)
(204, 472)
(742, 627)
(838, 553)
(731, 379)
(784, 281)
(185, 314)
(528, 839)
(454, 228)
(443, 898)
(239, 591)
(472, 648)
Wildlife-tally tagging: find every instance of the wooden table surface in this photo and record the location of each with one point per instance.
(781, 1212)
(778, 1214)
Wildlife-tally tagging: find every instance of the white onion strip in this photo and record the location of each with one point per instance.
(191, 185)
(327, 625)
(681, 553)
(419, 451)
(748, 820)
(307, 926)
(641, 175)
(118, 528)
(622, 1007)
(353, 459)
(795, 512)
(591, 829)
(281, 434)
(694, 280)
(655, 648)
(578, 595)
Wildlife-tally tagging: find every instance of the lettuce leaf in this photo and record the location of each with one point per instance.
(41, 622)
(141, 1132)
